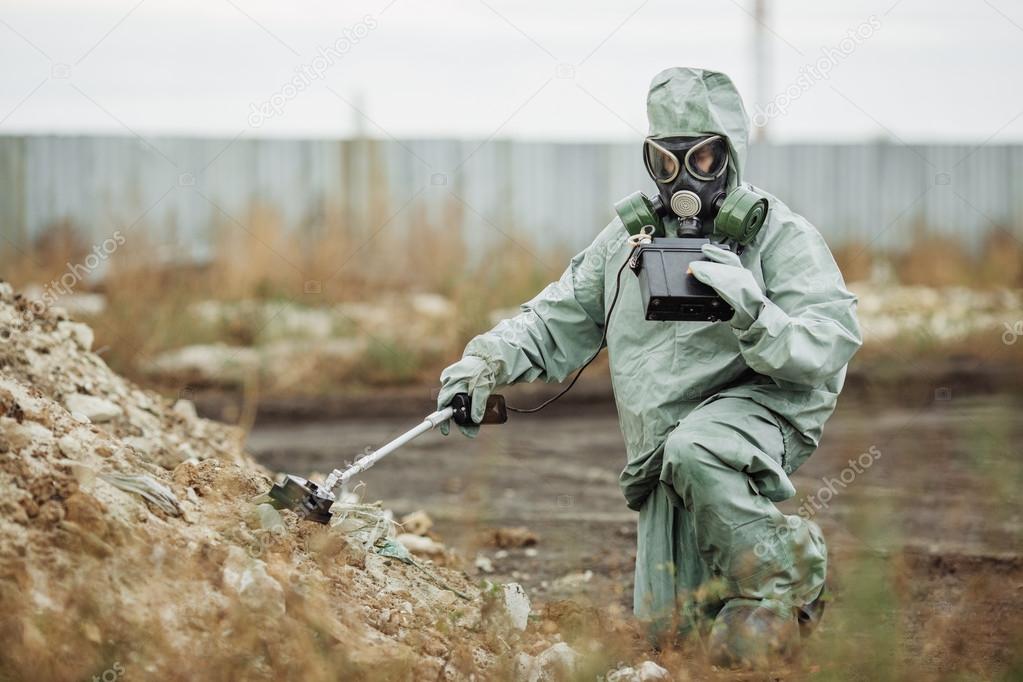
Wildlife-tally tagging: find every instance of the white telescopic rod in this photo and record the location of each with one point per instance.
(338, 478)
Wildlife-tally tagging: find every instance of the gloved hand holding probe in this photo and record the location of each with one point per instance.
(469, 375)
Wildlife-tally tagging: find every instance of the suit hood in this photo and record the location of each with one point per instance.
(685, 102)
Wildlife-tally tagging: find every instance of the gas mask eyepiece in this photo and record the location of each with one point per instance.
(691, 176)
(703, 158)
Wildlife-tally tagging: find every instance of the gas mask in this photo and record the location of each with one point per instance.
(691, 176)
(668, 230)
(693, 199)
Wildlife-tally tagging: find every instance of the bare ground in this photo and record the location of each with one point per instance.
(926, 568)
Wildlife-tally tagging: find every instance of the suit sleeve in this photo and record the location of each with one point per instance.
(559, 329)
(806, 330)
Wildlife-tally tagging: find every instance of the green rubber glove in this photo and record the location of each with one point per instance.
(470, 375)
(735, 284)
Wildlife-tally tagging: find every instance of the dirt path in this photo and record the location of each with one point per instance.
(920, 506)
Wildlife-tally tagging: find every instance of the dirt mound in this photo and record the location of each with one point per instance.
(129, 544)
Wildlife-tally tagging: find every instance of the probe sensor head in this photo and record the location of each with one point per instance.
(303, 497)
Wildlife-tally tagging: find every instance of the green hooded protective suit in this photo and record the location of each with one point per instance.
(715, 415)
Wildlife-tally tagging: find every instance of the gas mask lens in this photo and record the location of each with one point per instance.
(707, 160)
(662, 165)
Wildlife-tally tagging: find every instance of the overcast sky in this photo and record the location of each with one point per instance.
(918, 70)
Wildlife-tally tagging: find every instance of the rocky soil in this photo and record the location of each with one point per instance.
(133, 542)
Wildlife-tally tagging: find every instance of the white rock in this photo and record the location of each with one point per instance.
(516, 603)
(269, 518)
(484, 563)
(417, 522)
(96, 409)
(71, 447)
(433, 306)
(572, 582)
(186, 409)
(84, 474)
(215, 363)
(558, 662)
(78, 305)
(342, 350)
(247, 578)
(419, 544)
(647, 671)
(27, 434)
(309, 323)
(523, 666)
(80, 333)
(143, 445)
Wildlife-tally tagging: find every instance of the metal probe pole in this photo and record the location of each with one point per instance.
(338, 478)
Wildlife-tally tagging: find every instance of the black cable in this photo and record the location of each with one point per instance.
(600, 346)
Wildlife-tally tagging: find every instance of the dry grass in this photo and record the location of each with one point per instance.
(937, 260)
(149, 288)
(257, 256)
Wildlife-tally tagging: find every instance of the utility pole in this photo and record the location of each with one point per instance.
(761, 65)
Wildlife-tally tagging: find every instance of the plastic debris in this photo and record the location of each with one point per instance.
(364, 524)
(395, 550)
(151, 490)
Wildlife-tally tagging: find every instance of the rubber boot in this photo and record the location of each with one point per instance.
(809, 616)
(753, 634)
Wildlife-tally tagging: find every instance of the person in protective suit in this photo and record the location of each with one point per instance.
(715, 415)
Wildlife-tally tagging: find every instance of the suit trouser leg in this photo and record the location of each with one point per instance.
(711, 532)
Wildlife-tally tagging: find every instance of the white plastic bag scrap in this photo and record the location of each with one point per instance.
(365, 524)
(148, 488)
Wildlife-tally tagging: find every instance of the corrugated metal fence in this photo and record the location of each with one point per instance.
(181, 190)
